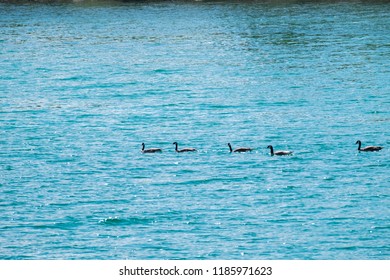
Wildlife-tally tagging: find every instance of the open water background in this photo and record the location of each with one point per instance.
(83, 85)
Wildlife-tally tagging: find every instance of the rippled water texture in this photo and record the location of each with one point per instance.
(83, 85)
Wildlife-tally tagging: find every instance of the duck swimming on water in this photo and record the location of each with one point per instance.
(279, 153)
(151, 150)
(239, 150)
(368, 148)
(183, 150)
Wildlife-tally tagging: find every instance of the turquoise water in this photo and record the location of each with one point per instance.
(83, 85)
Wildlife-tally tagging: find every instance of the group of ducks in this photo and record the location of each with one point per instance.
(245, 149)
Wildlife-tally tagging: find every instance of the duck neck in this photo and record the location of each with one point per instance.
(272, 150)
(359, 145)
(230, 147)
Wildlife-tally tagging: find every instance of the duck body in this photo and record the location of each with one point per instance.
(239, 150)
(183, 150)
(368, 148)
(150, 151)
(279, 153)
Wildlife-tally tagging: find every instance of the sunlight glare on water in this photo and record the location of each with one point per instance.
(83, 85)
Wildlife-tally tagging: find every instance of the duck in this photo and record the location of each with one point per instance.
(151, 150)
(279, 153)
(239, 150)
(368, 148)
(183, 150)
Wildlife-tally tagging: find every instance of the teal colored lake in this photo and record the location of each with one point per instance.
(83, 85)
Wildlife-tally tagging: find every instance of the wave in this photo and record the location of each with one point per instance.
(126, 221)
(207, 1)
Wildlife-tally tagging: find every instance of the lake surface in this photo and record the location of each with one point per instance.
(83, 85)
